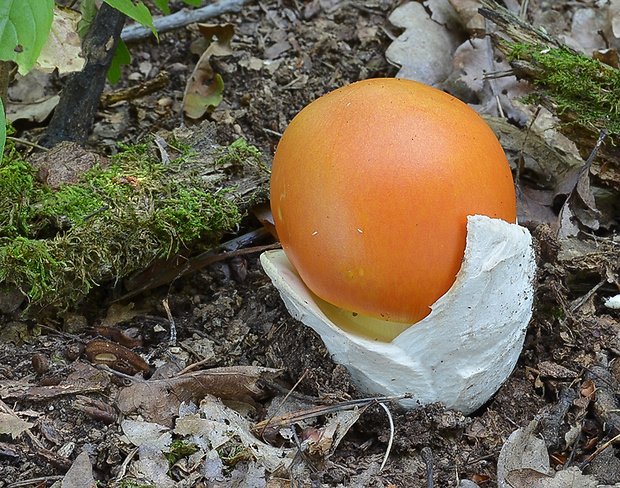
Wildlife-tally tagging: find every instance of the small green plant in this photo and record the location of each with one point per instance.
(27, 25)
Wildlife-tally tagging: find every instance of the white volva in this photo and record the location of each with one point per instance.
(463, 351)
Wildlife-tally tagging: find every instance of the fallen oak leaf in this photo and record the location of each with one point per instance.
(159, 400)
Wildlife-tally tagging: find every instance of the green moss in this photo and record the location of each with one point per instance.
(180, 449)
(30, 264)
(56, 245)
(17, 190)
(130, 483)
(575, 83)
(239, 152)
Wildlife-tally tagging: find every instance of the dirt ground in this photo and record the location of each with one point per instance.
(229, 314)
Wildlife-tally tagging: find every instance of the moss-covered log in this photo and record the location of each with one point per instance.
(583, 92)
(121, 215)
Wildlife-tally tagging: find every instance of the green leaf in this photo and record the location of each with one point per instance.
(163, 5)
(24, 28)
(197, 104)
(138, 12)
(194, 3)
(88, 11)
(2, 130)
(121, 56)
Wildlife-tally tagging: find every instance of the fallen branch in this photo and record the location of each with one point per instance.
(137, 32)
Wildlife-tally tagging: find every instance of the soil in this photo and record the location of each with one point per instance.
(229, 314)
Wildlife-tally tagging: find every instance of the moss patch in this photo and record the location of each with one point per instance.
(574, 83)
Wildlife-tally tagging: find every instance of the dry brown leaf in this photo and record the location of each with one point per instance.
(85, 378)
(116, 357)
(13, 425)
(571, 477)
(468, 11)
(580, 207)
(159, 400)
(80, 475)
(424, 50)
(63, 49)
(204, 87)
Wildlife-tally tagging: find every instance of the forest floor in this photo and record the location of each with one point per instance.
(286, 54)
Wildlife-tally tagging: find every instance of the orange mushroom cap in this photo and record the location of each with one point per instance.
(371, 187)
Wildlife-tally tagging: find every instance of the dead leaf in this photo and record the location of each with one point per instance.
(116, 357)
(80, 475)
(204, 87)
(13, 425)
(84, 379)
(63, 49)
(159, 400)
(223, 427)
(523, 450)
(128, 338)
(37, 111)
(571, 477)
(152, 466)
(524, 463)
(468, 11)
(140, 432)
(324, 441)
(469, 80)
(579, 207)
(424, 50)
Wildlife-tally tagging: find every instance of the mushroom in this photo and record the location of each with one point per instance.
(396, 209)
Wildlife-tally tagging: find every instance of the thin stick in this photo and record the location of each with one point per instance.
(598, 451)
(182, 18)
(427, 455)
(173, 327)
(17, 140)
(284, 401)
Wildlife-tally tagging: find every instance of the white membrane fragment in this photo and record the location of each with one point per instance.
(613, 302)
(463, 351)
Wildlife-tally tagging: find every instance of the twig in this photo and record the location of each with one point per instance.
(193, 366)
(286, 397)
(292, 417)
(182, 18)
(173, 269)
(35, 481)
(17, 140)
(272, 132)
(589, 459)
(131, 93)
(573, 451)
(128, 458)
(173, 327)
(427, 455)
(587, 296)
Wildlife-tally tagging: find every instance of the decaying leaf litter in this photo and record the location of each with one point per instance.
(283, 56)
